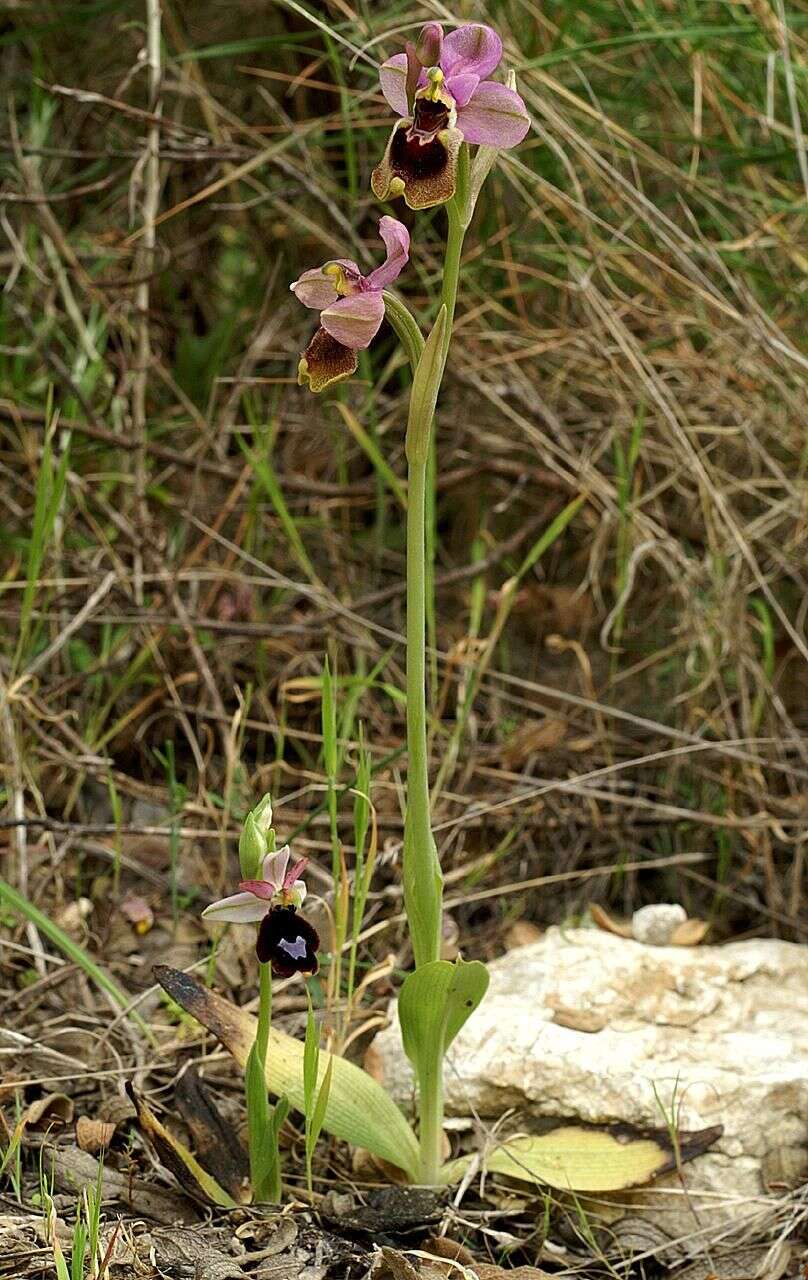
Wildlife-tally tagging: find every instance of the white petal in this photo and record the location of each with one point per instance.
(299, 890)
(239, 908)
(274, 866)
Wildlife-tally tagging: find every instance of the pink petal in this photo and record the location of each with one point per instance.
(273, 868)
(354, 321)
(430, 44)
(393, 80)
(495, 116)
(315, 289)
(239, 908)
(397, 241)
(296, 870)
(471, 48)
(259, 889)
(462, 86)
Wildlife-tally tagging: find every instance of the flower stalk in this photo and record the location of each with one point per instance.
(441, 89)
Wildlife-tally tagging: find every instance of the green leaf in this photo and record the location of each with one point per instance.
(584, 1158)
(257, 1122)
(318, 1118)
(435, 1002)
(311, 1061)
(357, 1107)
(269, 1152)
(425, 388)
(405, 325)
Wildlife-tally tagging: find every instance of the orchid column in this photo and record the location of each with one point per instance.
(440, 89)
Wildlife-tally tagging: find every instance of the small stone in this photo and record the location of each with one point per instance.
(655, 924)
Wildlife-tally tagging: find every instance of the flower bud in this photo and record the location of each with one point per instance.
(252, 847)
(430, 43)
(263, 813)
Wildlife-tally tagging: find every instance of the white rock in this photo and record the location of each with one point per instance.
(588, 1025)
(657, 922)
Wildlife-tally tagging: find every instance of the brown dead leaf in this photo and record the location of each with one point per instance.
(604, 921)
(176, 1157)
(689, 933)
(531, 739)
(54, 1108)
(93, 1135)
(441, 1259)
(521, 934)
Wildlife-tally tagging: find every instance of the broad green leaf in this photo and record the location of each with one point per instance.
(581, 1158)
(357, 1109)
(434, 1003)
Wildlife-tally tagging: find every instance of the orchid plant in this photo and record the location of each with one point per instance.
(442, 90)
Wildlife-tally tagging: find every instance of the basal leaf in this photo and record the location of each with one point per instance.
(357, 1108)
(585, 1158)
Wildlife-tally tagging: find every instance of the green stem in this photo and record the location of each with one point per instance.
(264, 1012)
(265, 1170)
(430, 1131)
(423, 882)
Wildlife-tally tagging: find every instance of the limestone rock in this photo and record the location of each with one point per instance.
(657, 922)
(584, 1024)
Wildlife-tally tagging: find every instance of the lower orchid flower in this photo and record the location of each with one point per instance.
(452, 102)
(285, 939)
(351, 308)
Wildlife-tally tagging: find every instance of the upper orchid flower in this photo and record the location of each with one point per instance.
(351, 308)
(441, 90)
(285, 940)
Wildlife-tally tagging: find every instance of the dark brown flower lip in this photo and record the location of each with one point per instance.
(325, 361)
(288, 942)
(419, 164)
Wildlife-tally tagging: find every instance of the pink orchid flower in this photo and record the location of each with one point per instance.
(279, 886)
(286, 941)
(351, 308)
(442, 91)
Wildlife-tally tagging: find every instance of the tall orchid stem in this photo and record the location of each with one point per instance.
(423, 882)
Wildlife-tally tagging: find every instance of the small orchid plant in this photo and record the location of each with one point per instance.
(442, 90)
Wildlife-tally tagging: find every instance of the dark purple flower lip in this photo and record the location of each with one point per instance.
(288, 942)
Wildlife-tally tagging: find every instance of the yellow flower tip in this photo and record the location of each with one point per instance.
(435, 77)
(303, 372)
(396, 188)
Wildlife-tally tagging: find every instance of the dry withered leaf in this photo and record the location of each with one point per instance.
(177, 1158)
(54, 1108)
(442, 1247)
(93, 1135)
(603, 920)
(215, 1139)
(689, 933)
